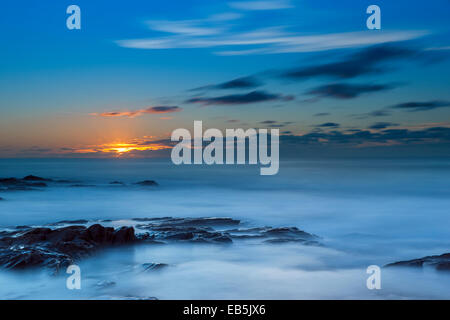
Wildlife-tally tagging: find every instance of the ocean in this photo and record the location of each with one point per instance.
(366, 212)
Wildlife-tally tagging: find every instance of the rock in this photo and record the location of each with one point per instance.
(147, 183)
(80, 221)
(124, 235)
(105, 284)
(440, 263)
(57, 248)
(34, 178)
(154, 266)
(117, 182)
(79, 185)
(14, 184)
(1, 199)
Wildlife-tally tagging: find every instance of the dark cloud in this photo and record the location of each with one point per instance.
(162, 109)
(136, 113)
(382, 125)
(328, 125)
(269, 122)
(422, 105)
(367, 61)
(347, 91)
(321, 114)
(233, 99)
(376, 113)
(437, 135)
(239, 83)
(276, 124)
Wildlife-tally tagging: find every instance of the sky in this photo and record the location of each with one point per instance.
(137, 70)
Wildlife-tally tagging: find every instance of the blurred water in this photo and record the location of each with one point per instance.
(367, 211)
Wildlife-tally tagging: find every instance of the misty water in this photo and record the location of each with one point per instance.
(367, 212)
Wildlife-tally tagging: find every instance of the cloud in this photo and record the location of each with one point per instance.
(347, 91)
(136, 113)
(364, 62)
(421, 105)
(261, 5)
(328, 125)
(239, 83)
(382, 125)
(366, 138)
(233, 99)
(238, 39)
(321, 114)
(276, 124)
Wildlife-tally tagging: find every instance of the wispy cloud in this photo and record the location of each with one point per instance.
(366, 61)
(421, 105)
(382, 125)
(347, 91)
(136, 113)
(230, 33)
(239, 83)
(261, 5)
(234, 99)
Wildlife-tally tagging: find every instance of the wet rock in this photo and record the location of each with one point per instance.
(14, 184)
(105, 284)
(80, 185)
(154, 266)
(147, 183)
(80, 221)
(34, 178)
(440, 263)
(57, 248)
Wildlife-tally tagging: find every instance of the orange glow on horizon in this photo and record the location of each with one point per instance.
(120, 149)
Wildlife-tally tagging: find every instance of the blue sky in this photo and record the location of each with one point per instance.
(69, 90)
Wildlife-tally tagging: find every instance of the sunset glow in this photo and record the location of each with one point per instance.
(119, 149)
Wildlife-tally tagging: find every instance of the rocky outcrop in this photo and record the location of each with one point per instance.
(14, 184)
(147, 183)
(440, 263)
(60, 244)
(58, 248)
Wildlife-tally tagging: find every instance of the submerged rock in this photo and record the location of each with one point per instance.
(58, 248)
(117, 183)
(25, 184)
(1, 199)
(34, 178)
(154, 266)
(147, 183)
(440, 263)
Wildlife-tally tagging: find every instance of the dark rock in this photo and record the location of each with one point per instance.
(10, 181)
(1, 199)
(124, 235)
(154, 266)
(37, 184)
(78, 185)
(13, 184)
(60, 246)
(34, 178)
(441, 263)
(147, 183)
(80, 221)
(117, 182)
(57, 248)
